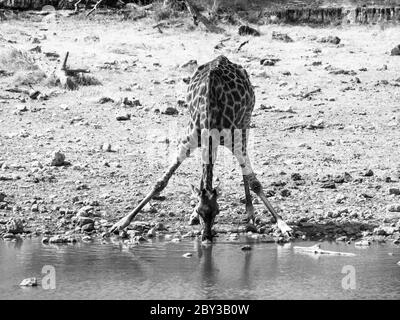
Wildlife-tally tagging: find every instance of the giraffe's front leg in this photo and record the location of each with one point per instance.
(158, 187)
(256, 187)
(249, 202)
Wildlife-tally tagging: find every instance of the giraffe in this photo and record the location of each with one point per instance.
(221, 99)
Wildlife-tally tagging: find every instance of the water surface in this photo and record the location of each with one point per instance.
(157, 270)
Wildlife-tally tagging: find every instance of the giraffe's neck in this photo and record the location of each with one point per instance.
(207, 177)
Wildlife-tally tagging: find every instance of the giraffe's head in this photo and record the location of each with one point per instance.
(207, 209)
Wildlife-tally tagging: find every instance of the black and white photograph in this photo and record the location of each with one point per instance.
(212, 151)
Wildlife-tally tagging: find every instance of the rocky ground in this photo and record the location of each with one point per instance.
(324, 142)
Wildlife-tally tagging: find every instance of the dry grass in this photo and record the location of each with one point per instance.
(28, 78)
(14, 60)
(161, 12)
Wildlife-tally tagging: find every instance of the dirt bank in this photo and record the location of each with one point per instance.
(325, 129)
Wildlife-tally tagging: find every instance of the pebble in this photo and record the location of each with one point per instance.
(368, 173)
(187, 255)
(14, 226)
(87, 238)
(84, 221)
(123, 117)
(106, 147)
(330, 39)
(29, 282)
(246, 248)
(395, 191)
(362, 243)
(57, 159)
(169, 110)
(393, 207)
(151, 233)
(88, 227)
(251, 228)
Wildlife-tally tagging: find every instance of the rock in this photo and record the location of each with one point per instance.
(29, 282)
(85, 211)
(106, 147)
(84, 221)
(9, 236)
(159, 226)
(37, 49)
(328, 185)
(269, 61)
(251, 228)
(139, 239)
(169, 110)
(14, 226)
(368, 173)
(187, 255)
(45, 240)
(395, 191)
(285, 193)
(33, 94)
(126, 102)
(340, 198)
(190, 63)
(149, 208)
(342, 238)
(89, 227)
(87, 238)
(246, 248)
(362, 243)
(123, 117)
(384, 231)
(57, 239)
(103, 100)
(246, 30)
(281, 36)
(57, 159)
(22, 108)
(395, 51)
(296, 176)
(393, 207)
(330, 39)
(151, 233)
(2, 196)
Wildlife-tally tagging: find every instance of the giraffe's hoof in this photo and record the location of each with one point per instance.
(285, 229)
(120, 225)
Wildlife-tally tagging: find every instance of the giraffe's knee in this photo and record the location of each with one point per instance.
(254, 184)
(160, 186)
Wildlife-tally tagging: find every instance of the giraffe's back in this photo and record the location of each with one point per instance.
(220, 96)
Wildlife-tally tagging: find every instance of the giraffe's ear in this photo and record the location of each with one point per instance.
(195, 191)
(216, 191)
